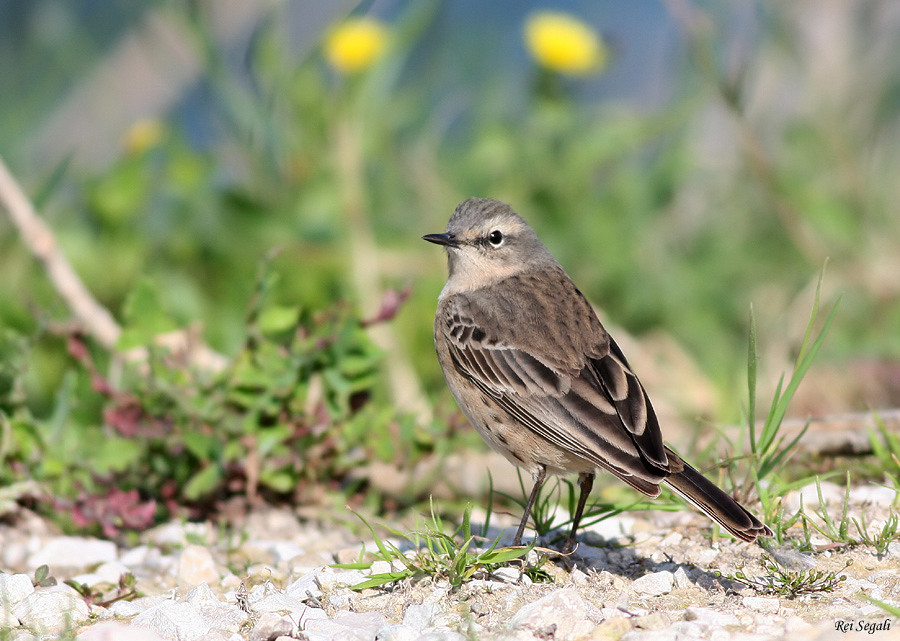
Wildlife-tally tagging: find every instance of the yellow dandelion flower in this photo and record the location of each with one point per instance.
(560, 42)
(355, 45)
(143, 135)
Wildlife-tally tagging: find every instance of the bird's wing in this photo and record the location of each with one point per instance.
(580, 395)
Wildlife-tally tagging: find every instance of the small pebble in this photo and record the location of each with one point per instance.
(710, 616)
(654, 584)
(71, 552)
(195, 566)
(52, 610)
(271, 626)
(766, 605)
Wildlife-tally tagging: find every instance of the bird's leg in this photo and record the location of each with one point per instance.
(585, 482)
(539, 475)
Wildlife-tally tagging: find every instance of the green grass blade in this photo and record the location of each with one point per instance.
(466, 530)
(813, 314)
(770, 427)
(377, 580)
(773, 462)
(503, 555)
(485, 528)
(752, 362)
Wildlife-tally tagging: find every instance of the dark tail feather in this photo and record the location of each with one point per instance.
(716, 504)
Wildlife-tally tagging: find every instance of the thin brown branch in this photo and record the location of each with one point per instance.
(91, 316)
(41, 242)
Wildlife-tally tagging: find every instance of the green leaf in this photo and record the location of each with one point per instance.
(503, 555)
(203, 446)
(203, 482)
(377, 580)
(116, 455)
(279, 481)
(275, 319)
(145, 318)
(41, 573)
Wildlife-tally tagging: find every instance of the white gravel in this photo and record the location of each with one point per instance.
(276, 584)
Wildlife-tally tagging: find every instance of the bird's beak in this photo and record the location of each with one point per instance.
(443, 239)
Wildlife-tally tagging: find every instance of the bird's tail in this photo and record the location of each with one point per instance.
(716, 504)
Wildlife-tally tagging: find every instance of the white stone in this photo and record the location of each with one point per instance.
(330, 578)
(73, 552)
(688, 630)
(328, 630)
(766, 605)
(578, 577)
(109, 572)
(370, 622)
(280, 602)
(284, 551)
(682, 580)
(304, 587)
(507, 574)
(260, 592)
(172, 534)
(710, 617)
(381, 567)
(195, 566)
(654, 584)
(637, 634)
(52, 610)
(136, 556)
(117, 632)
(562, 613)
(112, 571)
(271, 626)
(174, 620)
(14, 588)
(124, 609)
(346, 627)
(702, 556)
(420, 616)
(340, 599)
(672, 539)
(401, 632)
(222, 616)
(441, 634)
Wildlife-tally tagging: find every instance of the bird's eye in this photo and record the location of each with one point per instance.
(495, 238)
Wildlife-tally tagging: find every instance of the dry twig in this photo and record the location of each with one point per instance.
(93, 317)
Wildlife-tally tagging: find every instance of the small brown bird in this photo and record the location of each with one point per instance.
(539, 377)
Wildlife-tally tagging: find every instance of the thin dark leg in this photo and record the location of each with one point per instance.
(585, 482)
(538, 477)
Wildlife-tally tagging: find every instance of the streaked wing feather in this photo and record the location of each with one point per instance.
(585, 400)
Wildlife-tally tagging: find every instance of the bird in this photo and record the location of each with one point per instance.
(542, 381)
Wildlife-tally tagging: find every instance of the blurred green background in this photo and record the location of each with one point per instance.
(714, 158)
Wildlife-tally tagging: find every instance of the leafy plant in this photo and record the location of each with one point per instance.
(783, 582)
(43, 578)
(839, 530)
(293, 410)
(436, 554)
(104, 595)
